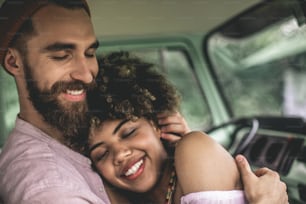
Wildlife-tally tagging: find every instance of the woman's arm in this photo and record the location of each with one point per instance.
(204, 165)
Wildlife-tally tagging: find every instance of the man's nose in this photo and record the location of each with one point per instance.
(84, 69)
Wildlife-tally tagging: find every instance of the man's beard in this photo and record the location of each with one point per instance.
(67, 117)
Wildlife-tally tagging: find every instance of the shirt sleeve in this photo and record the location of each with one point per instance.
(215, 197)
(58, 196)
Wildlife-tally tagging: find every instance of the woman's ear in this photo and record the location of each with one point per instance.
(156, 128)
(13, 61)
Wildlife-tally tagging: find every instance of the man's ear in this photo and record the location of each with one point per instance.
(13, 61)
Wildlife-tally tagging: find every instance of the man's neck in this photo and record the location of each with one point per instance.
(37, 120)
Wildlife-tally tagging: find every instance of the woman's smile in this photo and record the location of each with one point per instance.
(135, 170)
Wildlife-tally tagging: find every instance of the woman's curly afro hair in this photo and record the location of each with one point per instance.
(129, 88)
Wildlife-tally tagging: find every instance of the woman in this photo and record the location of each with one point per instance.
(127, 148)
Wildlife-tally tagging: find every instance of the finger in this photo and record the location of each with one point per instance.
(262, 171)
(174, 123)
(245, 170)
(173, 128)
(283, 188)
(266, 171)
(169, 120)
(167, 114)
(171, 137)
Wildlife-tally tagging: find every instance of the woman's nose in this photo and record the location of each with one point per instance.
(121, 153)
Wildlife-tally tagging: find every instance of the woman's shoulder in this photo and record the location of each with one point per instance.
(196, 139)
(203, 164)
(202, 149)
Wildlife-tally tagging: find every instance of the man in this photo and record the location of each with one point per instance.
(53, 62)
(49, 48)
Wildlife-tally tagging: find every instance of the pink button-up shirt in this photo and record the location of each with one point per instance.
(34, 168)
(215, 197)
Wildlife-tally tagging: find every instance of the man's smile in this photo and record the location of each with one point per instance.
(75, 95)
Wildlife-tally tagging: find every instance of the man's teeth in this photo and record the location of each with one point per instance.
(75, 92)
(134, 168)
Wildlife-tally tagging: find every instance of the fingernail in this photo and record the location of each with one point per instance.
(239, 158)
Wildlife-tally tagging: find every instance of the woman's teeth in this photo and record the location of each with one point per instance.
(134, 168)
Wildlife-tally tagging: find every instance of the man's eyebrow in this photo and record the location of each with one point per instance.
(95, 45)
(57, 46)
(120, 125)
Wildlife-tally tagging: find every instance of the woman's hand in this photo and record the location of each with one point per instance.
(173, 126)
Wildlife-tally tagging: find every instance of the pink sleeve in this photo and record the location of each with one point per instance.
(215, 197)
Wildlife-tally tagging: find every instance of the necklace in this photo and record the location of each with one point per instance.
(171, 187)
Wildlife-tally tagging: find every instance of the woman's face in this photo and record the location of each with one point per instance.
(129, 154)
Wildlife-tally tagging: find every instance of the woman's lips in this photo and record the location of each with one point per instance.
(135, 170)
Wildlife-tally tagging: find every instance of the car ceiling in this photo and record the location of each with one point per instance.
(146, 17)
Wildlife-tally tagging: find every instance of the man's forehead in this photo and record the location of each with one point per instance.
(53, 24)
(52, 14)
(13, 14)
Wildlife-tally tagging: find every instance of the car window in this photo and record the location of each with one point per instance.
(258, 59)
(8, 104)
(264, 73)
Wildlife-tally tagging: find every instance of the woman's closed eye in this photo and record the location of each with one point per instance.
(100, 155)
(128, 133)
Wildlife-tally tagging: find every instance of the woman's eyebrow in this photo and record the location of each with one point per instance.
(95, 146)
(120, 125)
(114, 132)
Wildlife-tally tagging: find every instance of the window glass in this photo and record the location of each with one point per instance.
(265, 73)
(9, 106)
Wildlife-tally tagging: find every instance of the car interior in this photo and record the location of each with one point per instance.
(240, 67)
